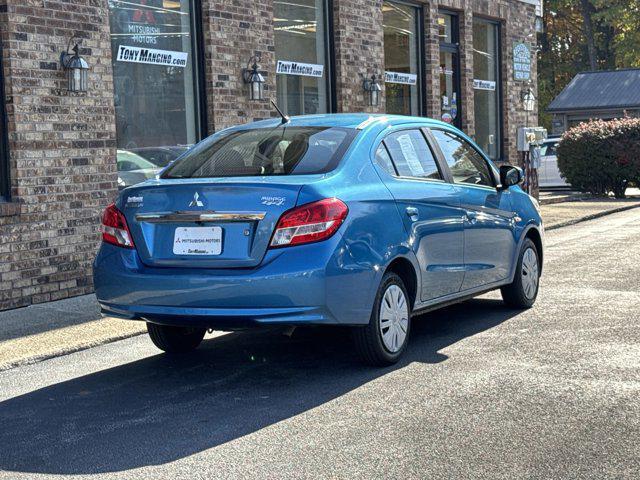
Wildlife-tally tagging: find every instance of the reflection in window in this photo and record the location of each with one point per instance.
(153, 68)
(300, 37)
(486, 85)
(465, 163)
(400, 25)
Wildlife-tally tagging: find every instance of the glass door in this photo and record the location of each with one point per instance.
(486, 87)
(402, 53)
(450, 101)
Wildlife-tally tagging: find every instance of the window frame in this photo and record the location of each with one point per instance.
(499, 80)
(329, 58)
(5, 181)
(453, 47)
(487, 161)
(420, 54)
(438, 161)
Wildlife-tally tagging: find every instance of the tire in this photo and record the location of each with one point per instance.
(381, 342)
(175, 339)
(523, 291)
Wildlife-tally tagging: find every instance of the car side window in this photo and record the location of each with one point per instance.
(384, 160)
(411, 155)
(465, 163)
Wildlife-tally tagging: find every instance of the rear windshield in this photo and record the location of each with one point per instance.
(273, 151)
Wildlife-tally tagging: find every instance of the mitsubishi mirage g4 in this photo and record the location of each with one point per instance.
(357, 220)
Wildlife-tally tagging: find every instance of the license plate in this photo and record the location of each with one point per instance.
(197, 241)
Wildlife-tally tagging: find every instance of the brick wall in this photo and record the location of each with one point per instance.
(62, 149)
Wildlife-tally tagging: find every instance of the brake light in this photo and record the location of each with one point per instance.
(308, 223)
(114, 228)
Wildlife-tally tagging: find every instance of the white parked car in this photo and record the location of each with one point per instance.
(548, 173)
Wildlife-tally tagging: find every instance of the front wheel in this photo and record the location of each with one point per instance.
(383, 341)
(175, 339)
(523, 291)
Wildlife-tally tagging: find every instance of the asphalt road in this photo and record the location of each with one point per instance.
(484, 392)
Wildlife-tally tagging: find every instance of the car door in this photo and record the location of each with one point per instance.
(489, 221)
(429, 207)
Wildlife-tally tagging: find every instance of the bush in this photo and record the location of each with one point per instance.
(601, 156)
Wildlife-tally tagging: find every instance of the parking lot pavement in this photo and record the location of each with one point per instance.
(484, 392)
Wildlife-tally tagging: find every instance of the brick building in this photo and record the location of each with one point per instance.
(165, 73)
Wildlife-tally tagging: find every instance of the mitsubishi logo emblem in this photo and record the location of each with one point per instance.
(196, 202)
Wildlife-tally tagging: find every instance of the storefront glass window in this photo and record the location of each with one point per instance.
(449, 69)
(300, 46)
(401, 53)
(154, 83)
(486, 86)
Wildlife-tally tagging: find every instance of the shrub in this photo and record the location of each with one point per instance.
(601, 156)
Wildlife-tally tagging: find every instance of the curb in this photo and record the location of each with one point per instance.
(565, 198)
(593, 216)
(79, 348)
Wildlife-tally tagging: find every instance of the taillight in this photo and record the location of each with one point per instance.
(308, 223)
(114, 228)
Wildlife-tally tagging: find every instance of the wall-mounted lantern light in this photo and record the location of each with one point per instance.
(373, 88)
(77, 69)
(528, 100)
(254, 79)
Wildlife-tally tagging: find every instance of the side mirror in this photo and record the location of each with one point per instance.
(510, 175)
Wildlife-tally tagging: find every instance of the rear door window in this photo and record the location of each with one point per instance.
(411, 155)
(257, 152)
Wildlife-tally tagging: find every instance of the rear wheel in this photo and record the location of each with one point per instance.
(523, 291)
(383, 341)
(175, 339)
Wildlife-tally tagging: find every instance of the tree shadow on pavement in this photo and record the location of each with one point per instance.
(162, 408)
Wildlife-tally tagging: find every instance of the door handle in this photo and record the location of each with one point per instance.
(412, 212)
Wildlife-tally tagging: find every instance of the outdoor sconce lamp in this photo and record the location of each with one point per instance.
(528, 100)
(254, 78)
(373, 88)
(77, 69)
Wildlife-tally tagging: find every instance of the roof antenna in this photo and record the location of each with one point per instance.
(285, 119)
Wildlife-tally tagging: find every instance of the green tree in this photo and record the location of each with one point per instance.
(582, 35)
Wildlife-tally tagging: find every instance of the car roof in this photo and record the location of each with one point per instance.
(348, 120)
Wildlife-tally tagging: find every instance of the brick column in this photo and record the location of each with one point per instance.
(359, 52)
(234, 31)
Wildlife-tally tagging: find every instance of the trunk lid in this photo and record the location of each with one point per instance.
(217, 223)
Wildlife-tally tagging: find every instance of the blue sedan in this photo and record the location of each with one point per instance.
(358, 220)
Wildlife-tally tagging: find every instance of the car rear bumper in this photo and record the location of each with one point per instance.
(307, 284)
(220, 318)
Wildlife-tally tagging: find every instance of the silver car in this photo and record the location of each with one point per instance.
(548, 173)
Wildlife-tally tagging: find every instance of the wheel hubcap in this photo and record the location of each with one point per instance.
(530, 273)
(394, 318)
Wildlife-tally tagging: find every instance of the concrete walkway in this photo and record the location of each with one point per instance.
(38, 332)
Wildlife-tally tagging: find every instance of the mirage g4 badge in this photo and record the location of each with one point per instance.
(196, 202)
(273, 200)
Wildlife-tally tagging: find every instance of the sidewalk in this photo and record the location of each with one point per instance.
(38, 332)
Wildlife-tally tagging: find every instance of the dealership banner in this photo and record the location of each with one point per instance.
(403, 78)
(297, 68)
(152, 56)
